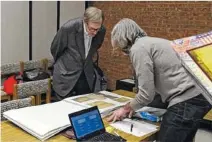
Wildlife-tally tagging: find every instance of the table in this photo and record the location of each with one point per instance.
(11, 133)
(208, 116)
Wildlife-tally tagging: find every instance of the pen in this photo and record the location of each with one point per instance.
(116, 133)
(131, 128)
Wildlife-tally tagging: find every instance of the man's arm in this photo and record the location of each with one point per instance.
(143, 65)
(59, 44)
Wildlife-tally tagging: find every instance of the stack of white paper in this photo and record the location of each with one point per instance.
(43, 121)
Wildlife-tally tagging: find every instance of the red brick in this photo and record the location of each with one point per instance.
(166, 19)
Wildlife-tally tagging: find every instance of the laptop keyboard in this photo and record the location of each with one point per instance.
(107, 137)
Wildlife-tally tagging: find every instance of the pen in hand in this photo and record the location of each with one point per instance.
(131, 128)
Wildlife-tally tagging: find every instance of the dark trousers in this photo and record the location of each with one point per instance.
(81, 87)
(181, 121)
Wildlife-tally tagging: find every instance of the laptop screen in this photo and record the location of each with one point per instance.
(86, 123)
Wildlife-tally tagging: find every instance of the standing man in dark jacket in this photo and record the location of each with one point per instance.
(72, 49)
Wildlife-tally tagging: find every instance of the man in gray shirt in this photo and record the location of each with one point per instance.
(158, 69)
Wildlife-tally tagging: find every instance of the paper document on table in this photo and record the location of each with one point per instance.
(140, 128)
(128, 80)
(106, 101)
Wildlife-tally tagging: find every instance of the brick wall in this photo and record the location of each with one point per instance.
(169, 20)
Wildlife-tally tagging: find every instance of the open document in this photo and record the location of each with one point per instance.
(140, 128)
(106, 101)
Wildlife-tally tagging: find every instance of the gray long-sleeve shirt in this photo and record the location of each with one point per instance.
(159, 69)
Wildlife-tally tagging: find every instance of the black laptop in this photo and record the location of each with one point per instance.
(88, 126)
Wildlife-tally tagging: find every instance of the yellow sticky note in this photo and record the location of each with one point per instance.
(110, 129)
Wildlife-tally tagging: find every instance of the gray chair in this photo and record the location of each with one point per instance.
(49, 62)
(15, 104)
(6, 70)
(32, 64)
(33, 88)
(5, 96)
(49, 66)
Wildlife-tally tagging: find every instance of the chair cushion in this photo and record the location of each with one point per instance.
(10, 68)
(32, 88)
(14, 104)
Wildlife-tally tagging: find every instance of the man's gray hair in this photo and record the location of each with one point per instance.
(125, 32)
(93, 14)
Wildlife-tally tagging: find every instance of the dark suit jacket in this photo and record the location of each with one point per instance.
(68, 51)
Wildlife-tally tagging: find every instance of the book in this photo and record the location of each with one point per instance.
(195, 52)
(43, 121)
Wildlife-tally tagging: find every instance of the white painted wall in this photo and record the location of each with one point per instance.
(15, 27)
(14, 31)
(71, 9)
(44, 27)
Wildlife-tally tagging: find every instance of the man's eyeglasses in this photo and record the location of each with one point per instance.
(91, 29)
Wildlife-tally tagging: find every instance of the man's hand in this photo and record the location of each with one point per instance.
(121, 113)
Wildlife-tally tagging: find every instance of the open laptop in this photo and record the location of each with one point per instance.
(88, 126)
